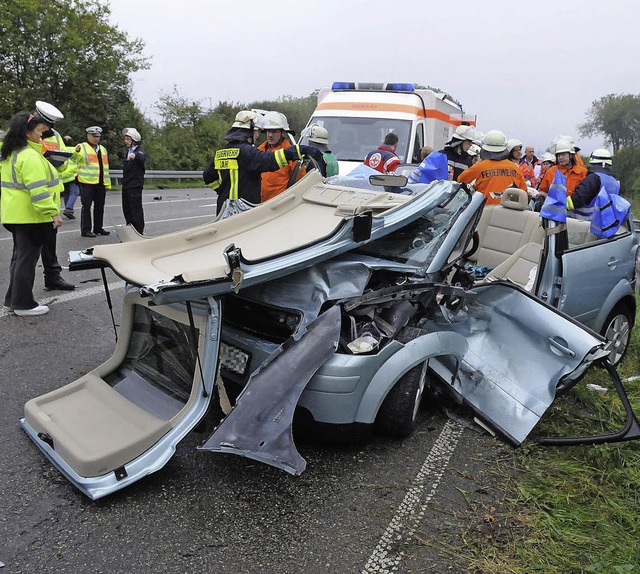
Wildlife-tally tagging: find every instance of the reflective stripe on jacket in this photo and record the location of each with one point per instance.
(70, 168)
(275, 182)
(89, 165)
(29, 187)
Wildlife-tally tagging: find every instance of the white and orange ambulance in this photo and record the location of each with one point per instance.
(358, 116)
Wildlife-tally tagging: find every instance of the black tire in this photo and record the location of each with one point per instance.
(617, 330)
(398, 414)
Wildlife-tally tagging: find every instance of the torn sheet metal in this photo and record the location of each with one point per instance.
(519, 349)
(259, 427)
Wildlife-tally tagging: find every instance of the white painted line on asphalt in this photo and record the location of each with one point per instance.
(72, 295)
(386, 557)
(210, 216)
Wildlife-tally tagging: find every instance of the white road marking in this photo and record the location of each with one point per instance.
(386, 557)
(210, 216)
(72, 295)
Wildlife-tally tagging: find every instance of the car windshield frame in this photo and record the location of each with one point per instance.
(417, 243)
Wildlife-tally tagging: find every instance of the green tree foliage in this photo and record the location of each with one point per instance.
(67, 53)
(626, 167)
(297, 110)
(617, 117)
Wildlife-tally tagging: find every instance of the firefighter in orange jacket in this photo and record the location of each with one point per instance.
(494, 172)
(276, 127)
(567, 164)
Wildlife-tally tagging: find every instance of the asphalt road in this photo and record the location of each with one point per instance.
(385, 506)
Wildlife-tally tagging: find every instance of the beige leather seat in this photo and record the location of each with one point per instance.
(505, 228)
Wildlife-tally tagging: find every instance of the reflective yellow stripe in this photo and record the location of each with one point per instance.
(281, 159)
(233, 180)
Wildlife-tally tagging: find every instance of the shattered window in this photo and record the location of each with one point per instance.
(157, 372)
(418, 242)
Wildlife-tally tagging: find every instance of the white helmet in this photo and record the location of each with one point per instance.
(133, 133)
(602, 157)
(473, 150)
(513, 143)
(562, 146)
(464, 133)
(546, 156)
(245, 119)
(494, 141)
(318, 134)
(275, 121)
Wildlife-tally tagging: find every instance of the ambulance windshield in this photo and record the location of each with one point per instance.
(351, 139)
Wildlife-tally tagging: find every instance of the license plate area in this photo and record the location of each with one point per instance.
(233, 359)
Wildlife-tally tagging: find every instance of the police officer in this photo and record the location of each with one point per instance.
(93, 177)
(133, 170)
(235, 170)
(29, 207)
(52, 142)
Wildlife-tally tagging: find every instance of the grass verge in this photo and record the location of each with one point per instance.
(570, 509)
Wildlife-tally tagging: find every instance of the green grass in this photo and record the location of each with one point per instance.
(571, 509)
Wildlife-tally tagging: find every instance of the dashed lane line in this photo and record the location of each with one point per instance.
(387, 555)
(72, 295)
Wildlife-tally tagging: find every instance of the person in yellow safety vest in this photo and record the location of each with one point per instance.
(68, 177)
(93, 177)
(29, 207)
(52, 142)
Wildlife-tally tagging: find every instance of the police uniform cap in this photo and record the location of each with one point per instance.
(133, 133)
(95, 130)
(48, 112)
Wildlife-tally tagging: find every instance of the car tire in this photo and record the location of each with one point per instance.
(617, 330)
(398, 414)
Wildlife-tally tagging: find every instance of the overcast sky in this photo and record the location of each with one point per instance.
(531, 70)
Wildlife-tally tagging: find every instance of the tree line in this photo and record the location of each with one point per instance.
(68, 53)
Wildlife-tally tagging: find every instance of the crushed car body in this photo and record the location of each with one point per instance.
(340, 301)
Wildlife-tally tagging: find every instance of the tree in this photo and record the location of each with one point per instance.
(617, 117)
(67, 53)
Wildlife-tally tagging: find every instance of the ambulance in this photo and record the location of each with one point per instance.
(358, 116)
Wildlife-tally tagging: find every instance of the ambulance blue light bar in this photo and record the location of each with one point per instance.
(372, 86)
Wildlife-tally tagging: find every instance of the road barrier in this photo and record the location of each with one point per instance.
(116, 175)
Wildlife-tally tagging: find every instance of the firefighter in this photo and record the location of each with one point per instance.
(93, 177)
(30, 206)
(598, 175)
(567, 164)
(319, 137)
(276, 127)
(52, 141)
(494, 172)
(235, 170)
(457, 148)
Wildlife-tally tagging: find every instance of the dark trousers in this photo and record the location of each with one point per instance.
(28, 239)
(52, 267)
(92, 194)
(132, 207)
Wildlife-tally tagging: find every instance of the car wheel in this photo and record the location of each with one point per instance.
(398, 414)
(617, 331)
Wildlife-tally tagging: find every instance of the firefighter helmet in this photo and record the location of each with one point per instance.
(464, 133)
(318, 134)
(512, 144)
(494, 141)
(602, 157)
(245, 119)
(275, 121)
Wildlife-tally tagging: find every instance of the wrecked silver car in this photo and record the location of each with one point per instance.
(338, 301)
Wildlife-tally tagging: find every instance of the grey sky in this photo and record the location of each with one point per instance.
(529, 69)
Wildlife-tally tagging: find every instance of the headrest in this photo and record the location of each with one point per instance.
(515, 198)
